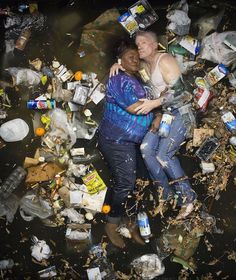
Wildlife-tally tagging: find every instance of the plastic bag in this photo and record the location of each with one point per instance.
(73, 215)
(32, 206)
(184, 65)
(148, 266)
(14, 130)
(208, 22)
(60, 94)
(178, 17)
(214, 49)
(83, 130)
(9, 207)
(40, 250)
(24, 76)
(61, 128)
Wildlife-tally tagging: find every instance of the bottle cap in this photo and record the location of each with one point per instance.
(41, 159)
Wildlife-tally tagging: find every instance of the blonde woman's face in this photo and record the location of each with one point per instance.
(146, 46)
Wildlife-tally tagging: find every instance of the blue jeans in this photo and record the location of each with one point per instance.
(121, 159)
(159, 156)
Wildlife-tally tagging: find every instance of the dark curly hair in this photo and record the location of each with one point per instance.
(123, 46)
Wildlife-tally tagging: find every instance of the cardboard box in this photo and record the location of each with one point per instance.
(200, 134)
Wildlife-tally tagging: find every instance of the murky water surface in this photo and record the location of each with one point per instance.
(60, 38)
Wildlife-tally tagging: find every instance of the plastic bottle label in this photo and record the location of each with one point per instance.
(165, 125)
(144, 226)
(41, 104)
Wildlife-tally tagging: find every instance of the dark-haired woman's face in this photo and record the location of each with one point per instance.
(130, 61)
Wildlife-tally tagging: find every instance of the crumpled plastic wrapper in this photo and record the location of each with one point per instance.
(148, 266)
(40, 250)
(178, 17)
(73, 215)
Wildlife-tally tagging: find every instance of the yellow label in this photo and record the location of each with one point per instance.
(140, 9)
(132, 25)
(93, 182)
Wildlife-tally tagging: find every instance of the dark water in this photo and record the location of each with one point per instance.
(15, 238)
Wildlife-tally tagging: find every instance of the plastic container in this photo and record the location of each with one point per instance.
(207, 148)
(14, 130)
(144, 226)
(165, 124)
(12, 182)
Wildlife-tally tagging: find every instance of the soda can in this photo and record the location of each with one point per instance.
(41, 104)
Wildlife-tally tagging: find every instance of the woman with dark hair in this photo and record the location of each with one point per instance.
(120, 131)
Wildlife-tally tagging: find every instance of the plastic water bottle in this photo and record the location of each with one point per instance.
(144, 226)
(12, 182)
(165, 124)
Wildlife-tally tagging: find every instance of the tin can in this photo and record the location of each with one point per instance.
(41, 104)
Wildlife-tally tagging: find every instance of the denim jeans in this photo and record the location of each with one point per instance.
(163, 165)
(121, 159)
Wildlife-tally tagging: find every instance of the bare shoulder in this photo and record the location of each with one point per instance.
(169, 68)
(167, 60)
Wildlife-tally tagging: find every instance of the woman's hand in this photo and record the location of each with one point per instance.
(147, 106)
(115, 69)
(156, 123)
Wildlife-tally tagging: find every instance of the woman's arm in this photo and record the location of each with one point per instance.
(114, 70)
(132, 108)
(148, 105)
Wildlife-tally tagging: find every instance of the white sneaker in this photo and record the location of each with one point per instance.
(185, 211)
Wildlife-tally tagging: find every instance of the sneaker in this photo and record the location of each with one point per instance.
(134, 231)
(113, 235)
(185, 211)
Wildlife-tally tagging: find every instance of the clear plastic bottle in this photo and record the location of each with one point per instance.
(144, 226)
(12, 182)
(165, 124)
